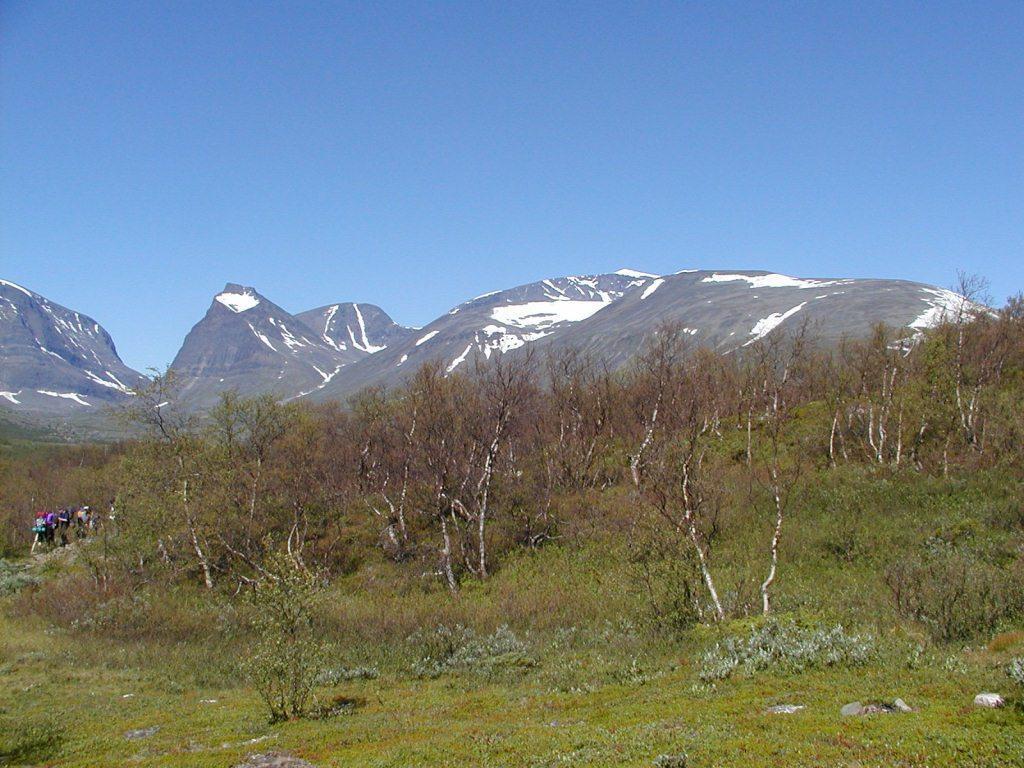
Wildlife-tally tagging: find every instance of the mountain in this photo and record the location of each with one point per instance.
(59, 361)
(355, 331)
(54, 360)
(494, 323)
(728, 310)
(610, 315)
(247, 343)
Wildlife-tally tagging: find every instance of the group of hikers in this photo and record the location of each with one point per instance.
(57, 527)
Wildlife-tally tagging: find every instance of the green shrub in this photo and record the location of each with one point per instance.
(14, 576)
(459, 648)
(286, 660)
(1015, 670)
(784, 646)
(29, 743)
(665, 575)
(955, 593)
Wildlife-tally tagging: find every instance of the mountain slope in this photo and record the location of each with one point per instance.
(494, 323)
(247, 343)
(54, 360)
(728, 310)
(355, 331)
(611, 315)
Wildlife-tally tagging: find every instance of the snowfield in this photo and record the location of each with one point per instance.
(772, 280)
(544, 314)
(237, 302)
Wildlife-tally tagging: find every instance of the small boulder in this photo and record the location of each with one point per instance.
(902, 706)
(784, 709)
(274, 760)
(141, 733)
(989, 700)
(852, 709)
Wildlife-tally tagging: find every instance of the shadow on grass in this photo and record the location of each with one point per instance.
(29, 744)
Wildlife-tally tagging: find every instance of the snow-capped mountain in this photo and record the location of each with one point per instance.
(728, 310)
(612, 314)
(59, 361)
(54, 360)
(496, 323)
(249, 344)
(355, 330)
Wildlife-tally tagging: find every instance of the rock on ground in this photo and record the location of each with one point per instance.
(855, 708)
(990, 700)
(141, 733)
(784, 709)
(274, 760)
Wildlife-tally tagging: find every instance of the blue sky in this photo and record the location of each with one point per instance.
(414, 155)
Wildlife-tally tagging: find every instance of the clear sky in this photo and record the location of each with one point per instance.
(415, 155)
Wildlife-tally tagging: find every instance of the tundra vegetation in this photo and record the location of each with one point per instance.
(543, 562)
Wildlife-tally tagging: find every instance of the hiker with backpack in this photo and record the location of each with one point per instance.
(50, 521)
(39, 530)
(63, 524)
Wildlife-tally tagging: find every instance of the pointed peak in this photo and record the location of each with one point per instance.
(238, 298)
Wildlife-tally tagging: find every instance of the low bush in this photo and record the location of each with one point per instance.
(29, 743)
(459, 648)
(784, 646)
(287, 659)
(955, 593)
(1015, 670)
(14, 576)
(347, 674)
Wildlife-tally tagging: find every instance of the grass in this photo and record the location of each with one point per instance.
(68, 698)
(460, 720)
(585, 681)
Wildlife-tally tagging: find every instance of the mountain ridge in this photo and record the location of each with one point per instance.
(247, 343)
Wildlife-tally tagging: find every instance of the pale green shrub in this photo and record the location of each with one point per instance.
(784, 647)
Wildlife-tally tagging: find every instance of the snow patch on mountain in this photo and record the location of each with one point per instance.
(771, 280)
(544, 314)
(942, 305)
(12, 396)
(17, 287)
(329, 314)
(496, 337)
(66, 395)
(766, 325)
(261, 336)
(426, 337)
(114, 384)
(237, 302)
(365, 346)
(652, 288)
(625, 272)
(459, 360)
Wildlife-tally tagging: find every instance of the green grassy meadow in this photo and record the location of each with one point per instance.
(590, 682)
